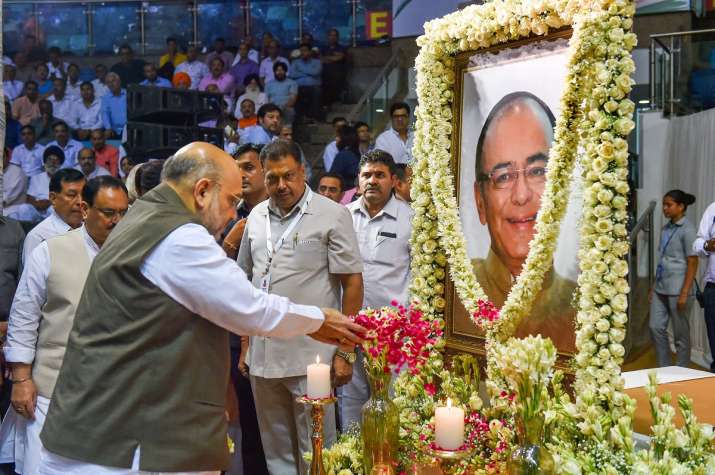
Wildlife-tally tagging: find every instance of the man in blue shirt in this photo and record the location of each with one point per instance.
(114, 107)
(282, 91)
(306, 71)
(152, 78)
(268, 127)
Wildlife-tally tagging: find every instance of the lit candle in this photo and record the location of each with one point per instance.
(318, 380)
(449, 427)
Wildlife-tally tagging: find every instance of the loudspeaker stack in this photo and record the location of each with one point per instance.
(162, 120)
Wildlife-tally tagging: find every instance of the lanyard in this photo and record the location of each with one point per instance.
(270, 251)
(665, 246)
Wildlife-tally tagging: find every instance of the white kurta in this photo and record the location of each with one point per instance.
(49, 227)
(20, 437)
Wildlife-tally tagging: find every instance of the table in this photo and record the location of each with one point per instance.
(697, 385)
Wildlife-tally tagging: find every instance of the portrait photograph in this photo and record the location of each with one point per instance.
(509, 102)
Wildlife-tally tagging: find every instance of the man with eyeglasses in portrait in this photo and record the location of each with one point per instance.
(43, 312)
(511, 158)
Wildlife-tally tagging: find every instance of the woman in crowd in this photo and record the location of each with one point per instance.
(672, 295)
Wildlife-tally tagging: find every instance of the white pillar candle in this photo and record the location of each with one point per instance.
(318, 380)
(449, 427)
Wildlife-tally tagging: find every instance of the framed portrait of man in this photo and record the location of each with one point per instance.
(507, 101)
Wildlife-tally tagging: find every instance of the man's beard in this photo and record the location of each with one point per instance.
(211, 216)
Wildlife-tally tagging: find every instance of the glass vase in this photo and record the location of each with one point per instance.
(530, 455)
(380, 427)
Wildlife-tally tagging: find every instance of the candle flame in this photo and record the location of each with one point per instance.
(449, 402)
(317, 359)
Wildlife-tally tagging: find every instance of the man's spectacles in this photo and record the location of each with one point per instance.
(504, 178)
(110, 213)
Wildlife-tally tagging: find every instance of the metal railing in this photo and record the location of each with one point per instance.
(673, 59)
(389, 85)
(644, 225)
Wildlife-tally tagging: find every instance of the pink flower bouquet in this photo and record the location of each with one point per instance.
(397, 336)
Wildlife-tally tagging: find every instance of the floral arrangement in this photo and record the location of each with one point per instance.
(593, 432)
(525, 365)
(396, 336)
(689, 450)
(344, 457)
(595, 119)
(489, 431)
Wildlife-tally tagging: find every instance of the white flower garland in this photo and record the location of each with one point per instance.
(596, 115)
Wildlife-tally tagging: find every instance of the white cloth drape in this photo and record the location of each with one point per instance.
(691, 168)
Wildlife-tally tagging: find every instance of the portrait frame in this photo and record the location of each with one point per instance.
(456, 341)
(595, 120)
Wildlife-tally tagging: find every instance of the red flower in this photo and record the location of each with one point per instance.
(486, 313)
(397, 336)
(430, 389)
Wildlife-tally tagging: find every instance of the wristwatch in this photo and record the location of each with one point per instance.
(349, 357)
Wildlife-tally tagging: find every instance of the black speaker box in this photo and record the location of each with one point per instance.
(143, 136)
(160, 105)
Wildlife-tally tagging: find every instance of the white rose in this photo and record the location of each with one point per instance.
(610, 106)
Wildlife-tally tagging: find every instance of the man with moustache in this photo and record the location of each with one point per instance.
(157, 304)
(42, 314)
(300, 245)
(66, 198)
(383, 225)
(511, 158)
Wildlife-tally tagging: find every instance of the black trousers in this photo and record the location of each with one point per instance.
(254, 460)
(709, 293)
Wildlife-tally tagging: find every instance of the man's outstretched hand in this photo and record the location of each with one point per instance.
(338, 330)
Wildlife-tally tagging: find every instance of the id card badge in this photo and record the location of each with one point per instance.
(266, 282)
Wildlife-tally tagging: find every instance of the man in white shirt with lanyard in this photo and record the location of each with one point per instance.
(300, 245)
(704, 246)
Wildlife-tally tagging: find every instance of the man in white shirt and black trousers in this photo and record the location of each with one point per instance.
(42, 314)
(383, 225)
(144, 379)
(704, 246)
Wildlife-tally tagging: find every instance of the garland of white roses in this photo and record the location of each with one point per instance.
(434, 87)
(433, 184)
